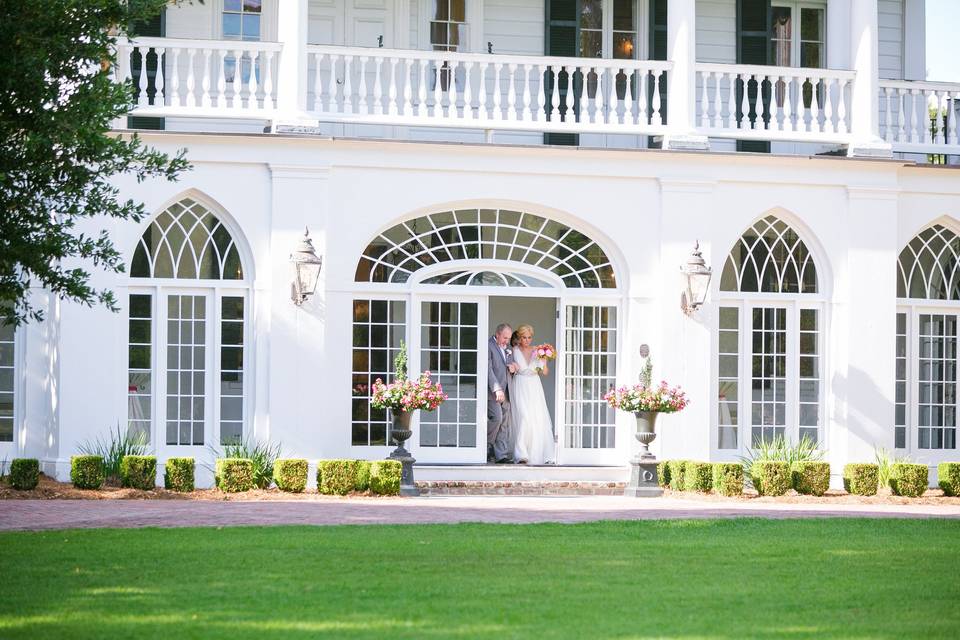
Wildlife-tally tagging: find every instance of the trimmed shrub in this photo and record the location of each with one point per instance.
(139, 472)
(234, 475)
(663, 473)
(728, 478)
(771, 478)
(948, 476)
(385, 477)
(860, 478)
(678, 479)
(698, 476)
(179, 474)
(811, 478)
(290, 475)
(24, 473)
(340, 477)
(86, 472)
(909, 479)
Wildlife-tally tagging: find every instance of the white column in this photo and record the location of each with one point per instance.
(292, 69)
(864, 101)
(682, 83)
(838, 34)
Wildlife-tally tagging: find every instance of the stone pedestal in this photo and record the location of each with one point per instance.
(407, 486)
(643, 480)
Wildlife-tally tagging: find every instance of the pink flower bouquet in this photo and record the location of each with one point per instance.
(408, 395)
(544, 351)
(663, 399)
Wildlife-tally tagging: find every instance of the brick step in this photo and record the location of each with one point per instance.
(517, 488)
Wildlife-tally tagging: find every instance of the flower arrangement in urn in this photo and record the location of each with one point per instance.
(404, 395)
(646, 402)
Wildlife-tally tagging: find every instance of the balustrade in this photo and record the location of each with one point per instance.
(920, 116)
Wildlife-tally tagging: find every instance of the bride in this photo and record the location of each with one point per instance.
(531, 420)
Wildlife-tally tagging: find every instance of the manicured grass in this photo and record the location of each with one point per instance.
(682, 579)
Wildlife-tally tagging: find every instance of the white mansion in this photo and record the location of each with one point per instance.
(461, 163)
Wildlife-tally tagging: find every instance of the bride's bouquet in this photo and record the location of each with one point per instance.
(544, 351)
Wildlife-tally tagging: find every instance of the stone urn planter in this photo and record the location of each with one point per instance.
(400, 432)
(646, 423)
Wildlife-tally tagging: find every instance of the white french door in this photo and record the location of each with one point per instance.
(449, 340)
(587, 366)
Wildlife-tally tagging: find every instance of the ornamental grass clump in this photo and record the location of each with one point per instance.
(728, 478)
(860, 479)
(678, 477)
(290, 475)
(811, 478)
(948, 476)
(263, 455)
(909, 479)
(178, 474)
(771, 478)
(24, 473)
(233, 475)
(385, 477)
(698, 476)
(113, 448)
(138, 472)
(86, 472)
(885, 461)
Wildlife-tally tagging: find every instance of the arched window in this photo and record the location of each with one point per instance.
(769, 339)
(928, 269)
(486, 234)
(187, 342)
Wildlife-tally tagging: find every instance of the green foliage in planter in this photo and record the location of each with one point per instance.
(771, 478)
(233, 475)
(948, 475)
(811, 478)
(678, 479)
(139, 472)
(909, 479)
(340, 477)
(290, 475)
(663, 473)
(24, 473)
(179, 474)
(385, 477)
(86, 472)
(728, 478)
(698, 476)
(860, 478)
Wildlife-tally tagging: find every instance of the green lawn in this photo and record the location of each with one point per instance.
(682, 579)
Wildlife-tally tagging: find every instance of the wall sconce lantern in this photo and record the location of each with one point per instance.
(697, 275)
(306, 269)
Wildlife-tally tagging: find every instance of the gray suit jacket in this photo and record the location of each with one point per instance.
(497, 374)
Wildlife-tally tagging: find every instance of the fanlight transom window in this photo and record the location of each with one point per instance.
(770, 257)
(187, 241)
(484, 278)
(486, 234)
(928, 266)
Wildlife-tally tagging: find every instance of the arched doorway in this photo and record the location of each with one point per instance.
(443, 281)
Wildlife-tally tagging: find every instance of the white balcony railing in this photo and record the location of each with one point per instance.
(920, 116)
(402, 87)
(224, 78)
(774, 103)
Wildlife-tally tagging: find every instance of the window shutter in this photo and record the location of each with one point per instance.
(156, 27)
(753, 47)
(561, 40)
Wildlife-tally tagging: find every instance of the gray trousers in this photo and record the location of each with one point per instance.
(498, 430)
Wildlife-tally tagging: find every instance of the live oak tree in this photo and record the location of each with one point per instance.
(58, 158)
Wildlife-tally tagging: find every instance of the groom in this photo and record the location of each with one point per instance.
(500, 367)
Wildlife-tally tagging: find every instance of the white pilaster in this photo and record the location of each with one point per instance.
(864, 100)
(682, 83)
(292, 69)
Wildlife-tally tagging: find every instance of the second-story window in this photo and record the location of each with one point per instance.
(448, 25)
(240, 21)
(607, 29)
(797, 35)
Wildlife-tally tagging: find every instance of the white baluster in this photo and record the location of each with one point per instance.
(815, 105)
(362, 107)
(422, 89)
(704, 100)
(571, 115)
(627, 96)
(191, 96)
(512, 92)
(581, 114)
(914, 121)
(175, 78)
(901, 117)
(540, 115)
(657, 116)
(842, 107)
(789, 121)
(775, 109)
(526, 114)
(599, 103)
(643, 82)
(927, 134)
(253, 84)
(221, 79)
(237, 80)
(467, 92)
(717, 103)
(764, 118)
(437, 90)
(392, 89)
(332, 100)
(887, 120)
(378, 90)
(745, 103)
(828, 106)
(952, 100)
(941, 104)
(158, 81)
(407, 87)
(347, 84)
(268, 81)
(142, 99)
(497, 91)
(317, 83)
(482, 92)
(731, 100)
(555, 95)
(452, 97)
(205, 78)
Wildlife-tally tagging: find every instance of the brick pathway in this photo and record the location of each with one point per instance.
(58, 514)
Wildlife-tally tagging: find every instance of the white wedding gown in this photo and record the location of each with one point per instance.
(531, 420)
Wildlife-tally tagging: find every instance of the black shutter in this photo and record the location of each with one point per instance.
(561, 40)
(155, 27)
(753, 47)
(658, 51)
